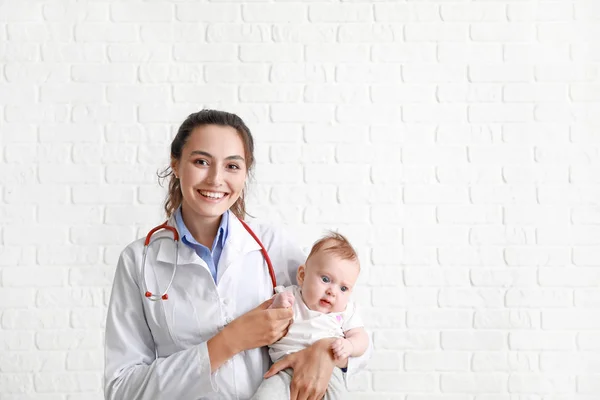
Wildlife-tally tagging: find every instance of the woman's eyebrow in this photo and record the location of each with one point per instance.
(206, 154)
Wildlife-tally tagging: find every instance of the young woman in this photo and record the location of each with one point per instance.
(206, 338)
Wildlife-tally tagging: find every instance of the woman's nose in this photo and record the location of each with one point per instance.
(214, 175)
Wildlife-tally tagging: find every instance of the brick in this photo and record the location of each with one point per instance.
(300, 73)
(72, 382)
(433, 194)
(138, 53)
(534, 383)
(403, 53)
(504, 277)
(439, 319)
(369, 33)
(101, 235)
(403, 340)
(237, 33)
(226, 73)
(436, 32)
(191, 93)
(403, 93)
(68, 297)
(87, 318)
(428, 73)
(16, 340)
(406, 383)
(104, 114)
(340, 13)
(530, 53)
(388, 318)
(405, 12)
(69, 215)
(470, 256)
(17, 93)
(188, 52)
(365, 114)
(15, 362)
(189, 12)
(34, 319)
(334, 93)
(34, 276)
(301, 113)
(16, 298)
(106, 32)
(433, 276)
(527, 340)
(470, 12)
(475, 53)
(468, 93)
(581, 319)
(416, 299)
(367, 73)
(473, 340)
(470, 298)
(291, 13)
(68, 339)
(473, 383)
(496, 361)
(271, 53)
(468, 174)
(501, 319)
(502, 32)
(585, 256)
(503, 194)
(84, 360)
(461, 215)
(304, 33)
(434, 361)
(28, 32)
(111, 73)
(336, 53)
(573, 362)
(546, 11)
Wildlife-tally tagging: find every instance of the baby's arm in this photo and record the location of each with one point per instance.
(283, 300)
(354, 345)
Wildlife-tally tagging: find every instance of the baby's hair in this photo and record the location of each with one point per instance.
(341, 247)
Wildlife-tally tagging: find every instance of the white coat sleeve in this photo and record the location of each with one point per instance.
(132, 370)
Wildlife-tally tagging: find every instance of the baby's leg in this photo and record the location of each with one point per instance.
(283, 300)
(336, 389)
(275, 387)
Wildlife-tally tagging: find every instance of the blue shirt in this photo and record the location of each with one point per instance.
(211, 258)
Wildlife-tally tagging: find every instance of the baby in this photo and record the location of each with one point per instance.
(321, 310)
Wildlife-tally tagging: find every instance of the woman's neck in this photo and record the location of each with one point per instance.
(203, 229)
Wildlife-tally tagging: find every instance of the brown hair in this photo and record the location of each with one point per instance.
(201, 118)
(341, 247)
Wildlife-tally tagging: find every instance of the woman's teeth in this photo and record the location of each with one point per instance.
(212, 195)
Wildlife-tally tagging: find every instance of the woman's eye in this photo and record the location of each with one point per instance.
(325, 279)
(344, 288)
(201, 162)
(233, 166)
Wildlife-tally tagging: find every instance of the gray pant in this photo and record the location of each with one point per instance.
(278, 386)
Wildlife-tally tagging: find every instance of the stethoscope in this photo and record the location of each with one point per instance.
(148, 241)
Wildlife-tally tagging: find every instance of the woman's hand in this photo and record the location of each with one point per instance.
(259, 327)
(312, 367)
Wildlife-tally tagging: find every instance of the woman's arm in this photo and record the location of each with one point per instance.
(132, 370)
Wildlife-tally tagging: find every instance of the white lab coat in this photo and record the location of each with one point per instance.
(157, 349)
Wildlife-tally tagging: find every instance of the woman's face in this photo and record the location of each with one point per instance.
(212, 170)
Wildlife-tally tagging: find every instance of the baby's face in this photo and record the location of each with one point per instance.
(327, 282)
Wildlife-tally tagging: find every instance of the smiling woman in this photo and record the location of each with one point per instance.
(216, 317)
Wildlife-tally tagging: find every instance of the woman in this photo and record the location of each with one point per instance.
(207, 340)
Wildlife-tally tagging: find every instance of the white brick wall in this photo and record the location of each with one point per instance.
(456, 142)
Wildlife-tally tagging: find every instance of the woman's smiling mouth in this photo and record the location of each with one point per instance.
(212, 195)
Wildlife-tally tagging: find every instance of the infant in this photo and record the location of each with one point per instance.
(321, 310)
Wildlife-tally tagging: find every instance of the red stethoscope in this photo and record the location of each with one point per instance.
(148, 241)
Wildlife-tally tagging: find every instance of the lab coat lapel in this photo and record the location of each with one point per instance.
(239, 242)
(166, 249)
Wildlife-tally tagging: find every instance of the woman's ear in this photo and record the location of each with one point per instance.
(174, 165)
(300, 275)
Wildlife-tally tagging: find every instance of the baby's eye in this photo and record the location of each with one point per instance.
(344, 288)
(325, 279)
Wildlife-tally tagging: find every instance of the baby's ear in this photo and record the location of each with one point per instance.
(300, 274)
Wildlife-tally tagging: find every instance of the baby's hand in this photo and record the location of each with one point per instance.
(342, 348)
(283, 300)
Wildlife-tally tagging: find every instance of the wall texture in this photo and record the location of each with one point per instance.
(455, 142)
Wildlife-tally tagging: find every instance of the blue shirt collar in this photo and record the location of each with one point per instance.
(185, 234)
